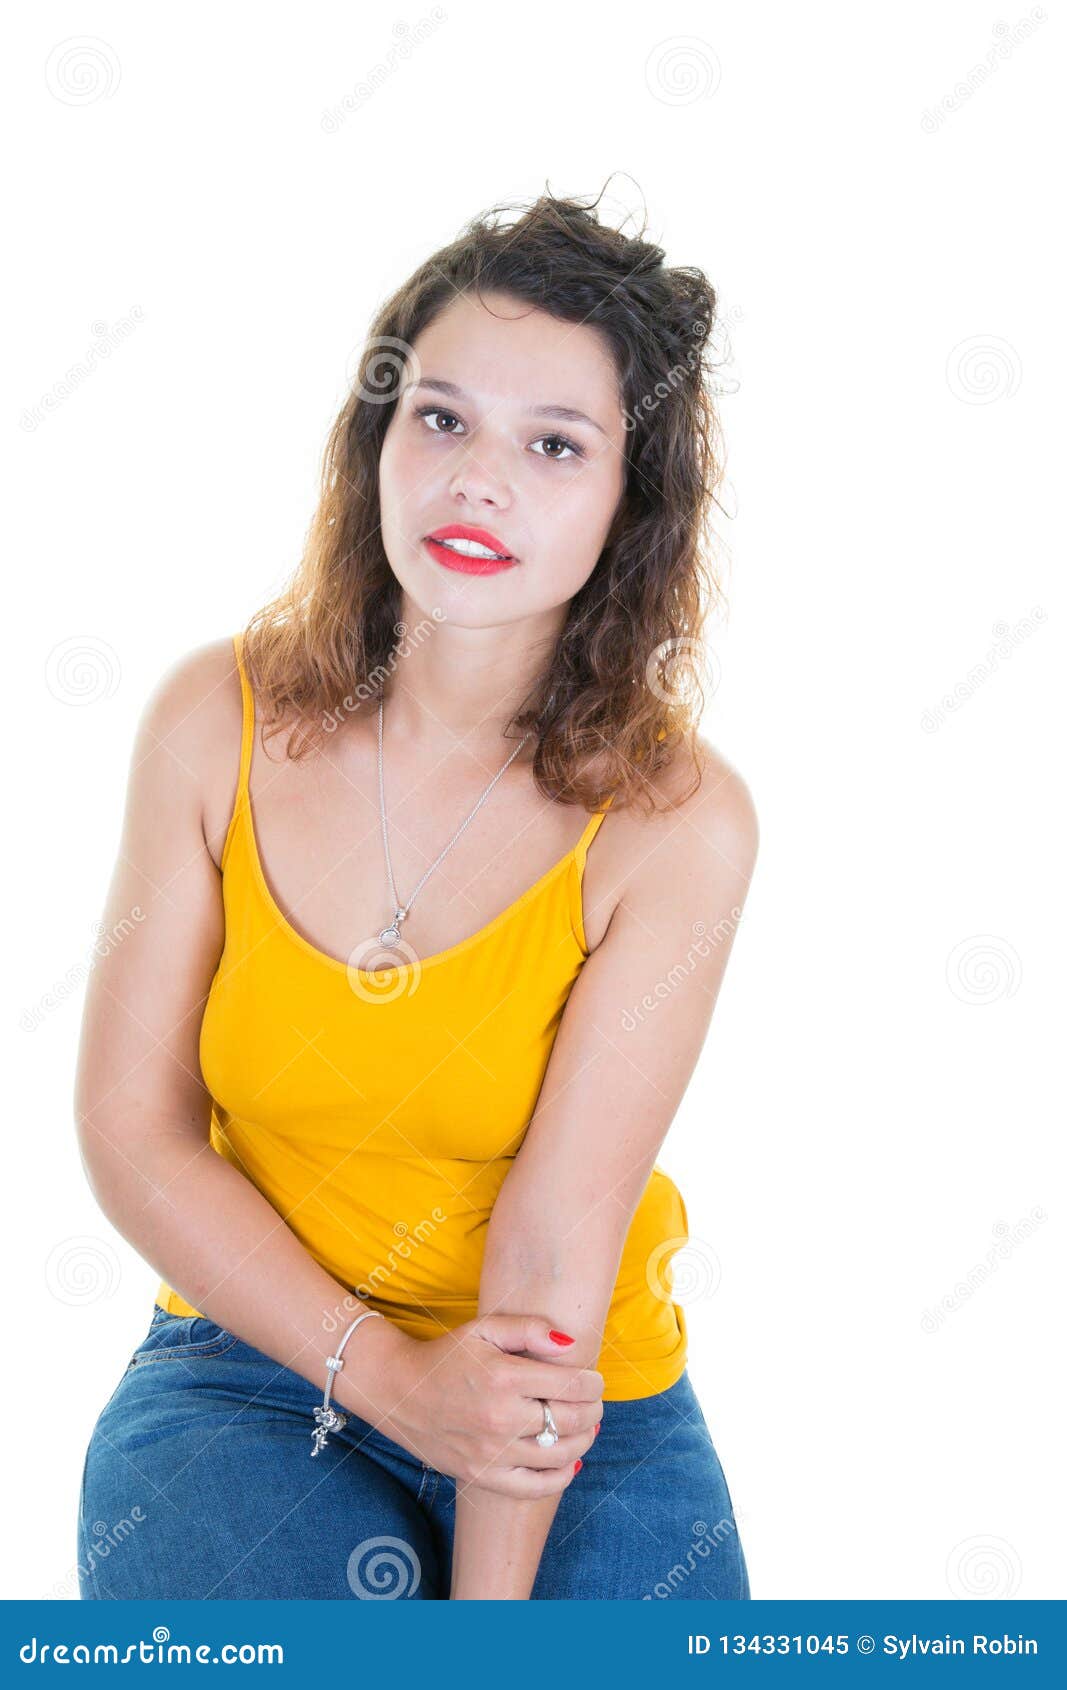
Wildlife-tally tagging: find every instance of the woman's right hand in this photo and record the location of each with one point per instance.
(466, 1404)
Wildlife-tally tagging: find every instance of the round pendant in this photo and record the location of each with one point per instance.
(389, 936)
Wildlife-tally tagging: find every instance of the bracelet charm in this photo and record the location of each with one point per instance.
(327, 1418)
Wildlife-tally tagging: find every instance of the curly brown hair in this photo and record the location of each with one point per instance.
(623, 688)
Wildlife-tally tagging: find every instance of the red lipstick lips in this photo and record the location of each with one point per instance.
(479, 552)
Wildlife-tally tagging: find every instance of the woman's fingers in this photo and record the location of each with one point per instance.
(527, 1452)
(533, 1379)
(530, 1483)
(570, 1417)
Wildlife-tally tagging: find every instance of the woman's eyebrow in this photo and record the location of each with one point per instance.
(559, 413)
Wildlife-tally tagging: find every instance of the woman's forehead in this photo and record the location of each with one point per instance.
(516, 354)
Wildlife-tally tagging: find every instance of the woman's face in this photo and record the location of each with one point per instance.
(472, 442)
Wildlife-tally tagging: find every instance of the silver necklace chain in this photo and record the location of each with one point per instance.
(390, 936)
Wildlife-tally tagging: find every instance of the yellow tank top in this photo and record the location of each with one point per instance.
(379, 1112)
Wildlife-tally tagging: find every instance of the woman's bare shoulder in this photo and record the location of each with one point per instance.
(196, 684)
(703, 805)
(721, 806)
(702, 837)
(194, 716)
(701, 828)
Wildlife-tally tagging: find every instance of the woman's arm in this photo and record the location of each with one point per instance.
(141, 1106)
(560, 1221)
(143, 1110)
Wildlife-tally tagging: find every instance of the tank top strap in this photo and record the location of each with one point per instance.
(248, 722)
(582, 847)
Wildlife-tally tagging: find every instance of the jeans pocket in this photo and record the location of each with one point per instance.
(181, 1337)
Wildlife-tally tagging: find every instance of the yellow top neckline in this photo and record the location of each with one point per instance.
(242, 812)
(575, 854)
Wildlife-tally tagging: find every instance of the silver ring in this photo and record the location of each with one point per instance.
(549, 1433)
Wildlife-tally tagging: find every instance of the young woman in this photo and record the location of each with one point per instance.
(374, 1070)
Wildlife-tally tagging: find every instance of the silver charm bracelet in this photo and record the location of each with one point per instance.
(328, 1418)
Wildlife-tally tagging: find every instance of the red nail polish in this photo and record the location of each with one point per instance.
(560, 1338)
(577, 1466)
(597, 1427)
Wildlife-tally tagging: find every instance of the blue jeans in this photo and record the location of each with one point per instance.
(199, 1483)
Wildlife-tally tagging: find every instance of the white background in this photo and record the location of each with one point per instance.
(874, 1111)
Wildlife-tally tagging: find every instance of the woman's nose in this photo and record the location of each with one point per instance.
(479, 478)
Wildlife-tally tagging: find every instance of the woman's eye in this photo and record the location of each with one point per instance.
(570, 446)
(432, 411)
